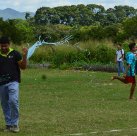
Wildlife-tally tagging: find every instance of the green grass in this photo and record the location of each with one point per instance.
(72, 102)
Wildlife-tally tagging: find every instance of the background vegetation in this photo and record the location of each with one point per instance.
(90, 25)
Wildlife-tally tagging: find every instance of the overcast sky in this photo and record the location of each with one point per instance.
(33, 5)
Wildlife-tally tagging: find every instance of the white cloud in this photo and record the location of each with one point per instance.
(54, 3)
(33, 5)
(16, 3)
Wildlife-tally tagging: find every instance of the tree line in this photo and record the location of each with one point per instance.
(84, 22)
(84, 15)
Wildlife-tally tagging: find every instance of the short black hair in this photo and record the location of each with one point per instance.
(4, 40)
(131, 45)
(119, 44)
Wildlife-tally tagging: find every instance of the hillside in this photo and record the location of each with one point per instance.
(9, 13)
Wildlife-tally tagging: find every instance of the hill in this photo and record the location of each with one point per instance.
(9, 13)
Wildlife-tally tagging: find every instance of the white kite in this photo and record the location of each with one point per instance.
(32, 49)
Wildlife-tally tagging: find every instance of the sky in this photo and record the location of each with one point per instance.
(33, 5)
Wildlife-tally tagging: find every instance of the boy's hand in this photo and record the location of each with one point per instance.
(24, 51)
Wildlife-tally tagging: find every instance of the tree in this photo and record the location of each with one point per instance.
(18, 30)
(27, 15)
(130, 27)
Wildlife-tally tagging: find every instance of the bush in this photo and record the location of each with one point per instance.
(69, 56)
(104, 54)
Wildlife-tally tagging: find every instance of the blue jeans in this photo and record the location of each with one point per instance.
(120, 66)
(9, 102)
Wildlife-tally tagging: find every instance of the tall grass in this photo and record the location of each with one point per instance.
(87, 52)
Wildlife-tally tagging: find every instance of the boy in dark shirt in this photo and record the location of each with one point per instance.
(11, 61)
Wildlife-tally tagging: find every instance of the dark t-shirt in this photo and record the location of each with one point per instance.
(9, 68)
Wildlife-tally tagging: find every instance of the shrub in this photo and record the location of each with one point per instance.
(104, 54)
(68, 56)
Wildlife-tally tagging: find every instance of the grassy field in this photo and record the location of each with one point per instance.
(73, 103)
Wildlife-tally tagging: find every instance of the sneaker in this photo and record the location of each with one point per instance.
(8, 128)
(14, 129)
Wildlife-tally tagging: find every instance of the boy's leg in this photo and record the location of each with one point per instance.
(122, 79)
(132, 90)
(13, 102)
(5, 105)
(118, 66)
(122, 67)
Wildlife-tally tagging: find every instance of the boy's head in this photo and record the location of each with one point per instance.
(4, 40)
(119, 46)
(4, 44)
(132, 47)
